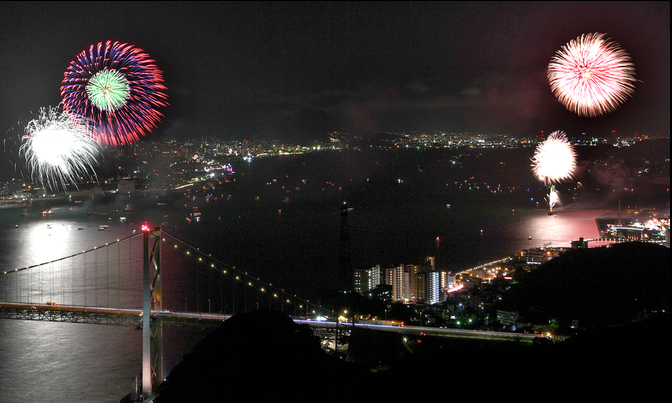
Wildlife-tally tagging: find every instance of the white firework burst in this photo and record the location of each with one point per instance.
(554, 160)
(59, 149)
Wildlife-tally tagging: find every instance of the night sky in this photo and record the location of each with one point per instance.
(300, 70)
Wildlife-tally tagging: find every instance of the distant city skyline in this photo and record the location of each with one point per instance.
(300, 70)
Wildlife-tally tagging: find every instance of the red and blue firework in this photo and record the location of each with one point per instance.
(118, 88)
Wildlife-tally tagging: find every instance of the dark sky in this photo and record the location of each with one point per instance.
(284, 70)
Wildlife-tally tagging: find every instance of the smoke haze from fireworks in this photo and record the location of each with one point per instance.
(554, 160)
(59, 149)
(591, 75)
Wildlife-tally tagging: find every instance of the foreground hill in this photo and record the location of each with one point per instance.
(266, 357)
(599, 286)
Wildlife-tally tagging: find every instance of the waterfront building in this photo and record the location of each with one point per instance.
(580, 244)
(126, 186)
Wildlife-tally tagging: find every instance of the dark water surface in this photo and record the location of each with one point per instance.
(279, 220)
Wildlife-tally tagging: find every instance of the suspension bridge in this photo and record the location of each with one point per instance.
(148, 280)
(152, 279)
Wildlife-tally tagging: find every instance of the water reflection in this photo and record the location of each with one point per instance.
(46, 242)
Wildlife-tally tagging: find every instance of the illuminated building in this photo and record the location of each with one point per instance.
(416, 277)
(424, 282)
(359, 278)
(398, 279)
(366, 279)
(507, 318)
(447, 280)
(433, 288)
(373, 277)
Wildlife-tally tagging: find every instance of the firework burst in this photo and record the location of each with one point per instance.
(591, 75)
(554, 160)
(119, 88)
(59, 149)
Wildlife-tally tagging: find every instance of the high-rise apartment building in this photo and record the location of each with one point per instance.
(432, 287)
(410, 283)
(366, 279)
(373, 278)
(398, 279)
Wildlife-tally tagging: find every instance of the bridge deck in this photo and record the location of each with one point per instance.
(133, 317)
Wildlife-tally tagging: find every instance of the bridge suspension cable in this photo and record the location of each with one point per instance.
(72, 277)
(109, 276)
(277, 297)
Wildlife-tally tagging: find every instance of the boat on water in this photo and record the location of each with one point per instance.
(128, 208)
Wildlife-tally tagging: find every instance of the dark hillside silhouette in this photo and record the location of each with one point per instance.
(265, 357)
(262, 356)
(598, 286)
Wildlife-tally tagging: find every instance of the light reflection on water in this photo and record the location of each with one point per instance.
(39, 239)
(76, 363)
(44, 361)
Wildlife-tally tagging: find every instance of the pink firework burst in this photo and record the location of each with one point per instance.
(591, 75)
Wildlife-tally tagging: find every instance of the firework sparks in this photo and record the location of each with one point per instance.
(119, 88)
(58, 148)
(591, 75)
(553, 198)
(554, 160)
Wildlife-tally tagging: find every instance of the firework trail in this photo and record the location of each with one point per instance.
(553, 198)
(119, 88)
(554, 160)
(591, 75)
(59, 149)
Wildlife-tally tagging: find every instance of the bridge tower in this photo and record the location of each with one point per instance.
(152, 329)
(345, 271)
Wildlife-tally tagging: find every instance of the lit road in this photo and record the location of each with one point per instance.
(429, 331)
(41, 309)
